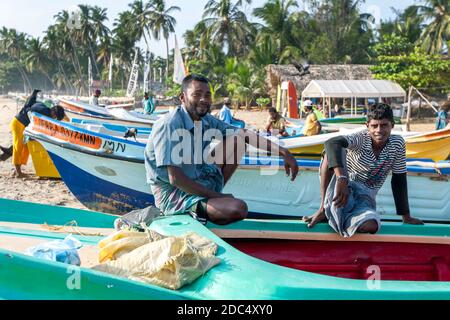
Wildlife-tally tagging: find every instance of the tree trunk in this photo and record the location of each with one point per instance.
(78, 67)
(94, 60)
(49, 79)
(167, 62)
(69, 85)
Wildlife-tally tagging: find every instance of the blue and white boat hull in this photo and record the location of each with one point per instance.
(112, 179)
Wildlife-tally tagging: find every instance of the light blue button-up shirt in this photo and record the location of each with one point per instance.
(177, 141)
(225, 115)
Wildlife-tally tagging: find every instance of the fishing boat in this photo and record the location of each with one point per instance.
(433, 145)
(107, 174)
(259, 260)
(123, 117)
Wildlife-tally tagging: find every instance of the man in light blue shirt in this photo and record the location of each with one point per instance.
(185, 175)
(225, 113)
(148, 104)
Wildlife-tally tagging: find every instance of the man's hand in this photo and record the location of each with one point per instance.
(407, 219)
(342, 193)
(290, 164)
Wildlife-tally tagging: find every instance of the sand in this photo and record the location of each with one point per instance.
(55, 192)
(31, 189)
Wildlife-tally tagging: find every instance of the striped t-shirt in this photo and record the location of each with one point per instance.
(365, 168)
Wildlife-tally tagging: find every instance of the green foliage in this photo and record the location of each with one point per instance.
(230, 49)
(263, 103)
(393, 45)
(8, 75)
(114, 93)
(173, 89)
(415, 68)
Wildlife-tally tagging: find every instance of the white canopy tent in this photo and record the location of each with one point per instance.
(352, 89)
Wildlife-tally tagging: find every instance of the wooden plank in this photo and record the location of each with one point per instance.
(313, 236)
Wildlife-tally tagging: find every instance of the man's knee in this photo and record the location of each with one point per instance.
(238, 210)
(370, 226)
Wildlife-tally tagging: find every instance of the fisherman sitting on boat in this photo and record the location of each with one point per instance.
(182, 180)
(312, 125)
(361, 163)
(148, 104)
(93, 101)
(276, 124)
(21, 121)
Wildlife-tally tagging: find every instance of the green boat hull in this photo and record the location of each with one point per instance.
(238, 277)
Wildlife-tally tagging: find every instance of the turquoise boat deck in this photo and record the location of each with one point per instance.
(238, 277)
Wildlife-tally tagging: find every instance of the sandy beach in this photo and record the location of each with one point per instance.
(55, 192)
(31, 189)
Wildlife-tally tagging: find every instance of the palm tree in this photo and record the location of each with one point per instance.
(57, 51)
(265, 52)
(37, 58)
(347, 30)
(162, 23)
(92, 31)
(13, 43)
(244, 83)
(123, 43)
(275, 14)
(69, 47)
(140, 17)
(407, 24)
(437, 32)
(227, 25)
(101, 34)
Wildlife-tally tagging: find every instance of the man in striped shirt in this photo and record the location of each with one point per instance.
(354, 169)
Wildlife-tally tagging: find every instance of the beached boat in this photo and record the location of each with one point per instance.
(79, 110)
(312, 147)
(259, 260)
(107, 174)
(432, 145)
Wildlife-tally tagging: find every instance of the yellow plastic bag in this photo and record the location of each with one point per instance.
(169, 262)
(122, 242)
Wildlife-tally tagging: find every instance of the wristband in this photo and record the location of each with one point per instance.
(342, 178)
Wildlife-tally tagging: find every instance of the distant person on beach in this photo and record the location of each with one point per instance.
(226, 116)
(338, 110)
(442, 119)
(225, 113)
(20, 122)
(185, 175)
(353, 170)
(148, 104)
(312, 125)
(93, 101)
(276, 124)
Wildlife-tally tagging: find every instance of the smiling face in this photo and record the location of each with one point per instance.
(380, 131)
(197, 99)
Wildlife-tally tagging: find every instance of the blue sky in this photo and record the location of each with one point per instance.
(33, 17)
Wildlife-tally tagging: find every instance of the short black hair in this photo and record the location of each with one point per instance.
(380, 111)
(190, 78)
(273, 110)
(309, 107)
(59, 112)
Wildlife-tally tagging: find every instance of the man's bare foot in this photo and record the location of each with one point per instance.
(411, 220)
(19, 175)
(316, 218)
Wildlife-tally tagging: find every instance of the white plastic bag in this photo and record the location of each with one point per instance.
(64, 251)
